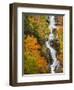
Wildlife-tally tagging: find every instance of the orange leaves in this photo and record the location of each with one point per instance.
(60, 36)
(33, 56)
(31, 43)
(42, 64)
(36, 57)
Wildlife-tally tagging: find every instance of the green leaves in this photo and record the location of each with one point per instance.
(36, 55)
(38, 25)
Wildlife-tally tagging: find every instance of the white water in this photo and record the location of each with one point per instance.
(52, 50)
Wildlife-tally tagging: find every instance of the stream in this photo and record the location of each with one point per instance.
(55, 63)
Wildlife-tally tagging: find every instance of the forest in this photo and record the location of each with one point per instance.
(36, 32)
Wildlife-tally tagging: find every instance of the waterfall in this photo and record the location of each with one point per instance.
(51, 37)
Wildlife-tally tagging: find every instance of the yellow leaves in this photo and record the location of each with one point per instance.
(33, 56)
(31, 18)
(38, 24)
(42, 65)
(34, 60)
(31, 43)
(60, 36)
(41, 61)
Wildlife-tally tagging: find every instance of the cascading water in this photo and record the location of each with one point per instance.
(51, 38)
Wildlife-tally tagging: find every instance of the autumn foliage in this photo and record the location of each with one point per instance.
(34, 62)
(36, 31)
